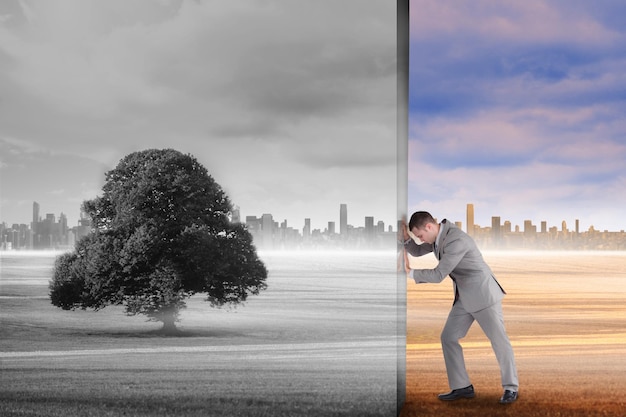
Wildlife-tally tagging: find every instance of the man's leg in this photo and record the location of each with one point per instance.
(491, 320)
(457, 325)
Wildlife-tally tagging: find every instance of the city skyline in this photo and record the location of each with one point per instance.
(270, 234)
(583, 224)
(35, 215)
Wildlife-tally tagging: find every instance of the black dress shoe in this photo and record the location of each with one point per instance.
(508, 397)
(455, 394)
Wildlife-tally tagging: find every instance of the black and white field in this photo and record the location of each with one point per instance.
(320, 341)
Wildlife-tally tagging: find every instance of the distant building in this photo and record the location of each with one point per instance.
(343, 219)
(267, 230)
(306, 230)
(35, 217)
(369, 230)
(496, 229)
(470, 219)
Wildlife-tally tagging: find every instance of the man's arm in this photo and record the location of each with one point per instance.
(453, 253)
(417, 250)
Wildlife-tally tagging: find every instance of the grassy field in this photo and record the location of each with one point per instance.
(320, 341)
(566, 317)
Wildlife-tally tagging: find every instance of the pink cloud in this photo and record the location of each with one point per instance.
(510, 21)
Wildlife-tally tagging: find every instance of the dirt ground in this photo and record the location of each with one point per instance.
(566, 318)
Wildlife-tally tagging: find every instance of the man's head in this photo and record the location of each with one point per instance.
(424, 226)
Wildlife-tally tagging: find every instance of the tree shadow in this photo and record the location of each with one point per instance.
(165, 334)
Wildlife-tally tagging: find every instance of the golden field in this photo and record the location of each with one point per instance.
(565, 314)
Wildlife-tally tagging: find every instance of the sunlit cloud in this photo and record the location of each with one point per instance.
(517, 107)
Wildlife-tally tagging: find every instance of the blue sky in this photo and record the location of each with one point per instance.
(518, 107)
(291, 109)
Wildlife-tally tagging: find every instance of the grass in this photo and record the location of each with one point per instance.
(327, 351)
(324, 351)
(193, 384)
(154, 392)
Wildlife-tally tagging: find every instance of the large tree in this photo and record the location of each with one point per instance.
(161, 233)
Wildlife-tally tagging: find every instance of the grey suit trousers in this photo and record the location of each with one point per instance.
(491, 321)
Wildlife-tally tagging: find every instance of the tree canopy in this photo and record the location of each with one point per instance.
(161, 233)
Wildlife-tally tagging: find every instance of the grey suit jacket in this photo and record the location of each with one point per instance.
(459, 258)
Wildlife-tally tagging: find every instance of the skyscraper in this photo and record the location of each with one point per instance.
(529, 228)
(267, 227)
(343, 219)
(35, 216)
(470, 219)
(496, 229)
(369, 228)
(63, 229)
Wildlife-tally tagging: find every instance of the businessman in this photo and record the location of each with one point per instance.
(477, 296)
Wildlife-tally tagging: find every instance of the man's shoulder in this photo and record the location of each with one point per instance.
(452, 231)
(451, 227)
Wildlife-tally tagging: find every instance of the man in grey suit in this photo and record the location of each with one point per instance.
(478, 296)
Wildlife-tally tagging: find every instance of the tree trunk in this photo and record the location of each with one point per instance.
(169, 322)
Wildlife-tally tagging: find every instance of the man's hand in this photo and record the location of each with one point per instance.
(407, 267)
(405, 230)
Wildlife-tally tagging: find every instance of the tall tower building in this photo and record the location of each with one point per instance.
(496, 229)
(470, 219)
(63, 229)
(267, 228)
(369, 227)
(529, 228)
(343, 219)
(35, 217)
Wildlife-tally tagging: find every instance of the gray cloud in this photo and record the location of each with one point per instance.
(271, 96)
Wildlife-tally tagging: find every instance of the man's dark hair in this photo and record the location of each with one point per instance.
(420, 218)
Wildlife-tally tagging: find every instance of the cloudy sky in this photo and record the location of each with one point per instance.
(519, 108)
(290, 104)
